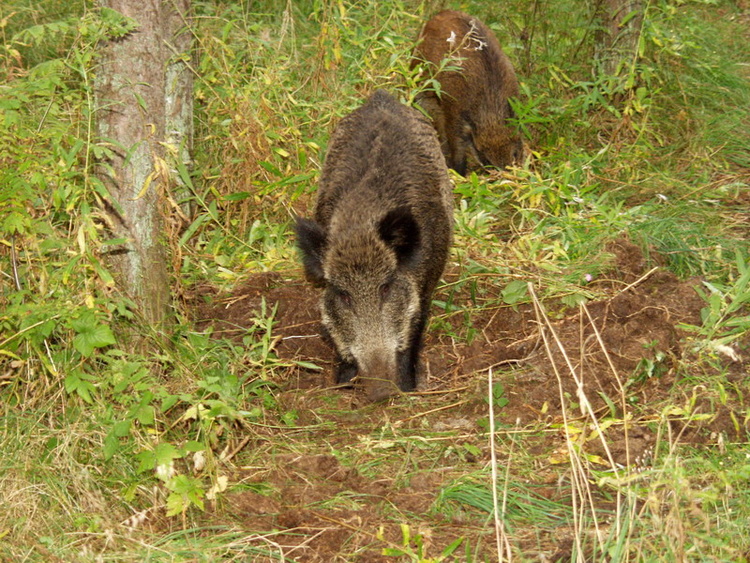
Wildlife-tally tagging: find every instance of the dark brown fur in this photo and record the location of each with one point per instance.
(471, 113)
(379, 241)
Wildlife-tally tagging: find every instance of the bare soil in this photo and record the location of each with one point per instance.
(337, 484)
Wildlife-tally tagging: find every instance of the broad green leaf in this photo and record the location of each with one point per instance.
(91, 334)
(514, 292)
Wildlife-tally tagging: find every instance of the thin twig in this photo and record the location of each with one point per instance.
(575, 474)
(493, 467)
(14, 262)
(639, 280)
(441, 391)
(236, 450)
(501, 537)
(445, 407)
(612, 367)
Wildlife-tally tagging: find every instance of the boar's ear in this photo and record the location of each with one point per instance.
(311, 241)
(400, 231)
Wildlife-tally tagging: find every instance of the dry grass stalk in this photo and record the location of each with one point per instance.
(581, 491)
(501, 536)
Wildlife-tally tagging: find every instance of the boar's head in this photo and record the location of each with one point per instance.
(491, 142)
(371, 305)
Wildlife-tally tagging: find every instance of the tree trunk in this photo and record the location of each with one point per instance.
(179, 97)
(619, 39)
(134, 98)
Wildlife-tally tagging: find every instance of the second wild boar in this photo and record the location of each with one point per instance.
(378, 242)
(476, 80)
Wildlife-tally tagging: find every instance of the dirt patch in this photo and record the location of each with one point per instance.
(315, 498)
(624, 345)
(618, 354)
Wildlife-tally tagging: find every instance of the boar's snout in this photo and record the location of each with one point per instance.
(379, 390)
(379, 380)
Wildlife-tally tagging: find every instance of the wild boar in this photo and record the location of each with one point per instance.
(472, 110)
(378, 242)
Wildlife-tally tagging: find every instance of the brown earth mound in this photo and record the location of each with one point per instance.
(604, 342)
(616, 353)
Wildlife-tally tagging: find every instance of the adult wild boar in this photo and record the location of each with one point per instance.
(379, 241)
(471, 112)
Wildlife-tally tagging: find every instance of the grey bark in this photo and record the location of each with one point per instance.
(179, 98)
(618, 42)
(132, 96)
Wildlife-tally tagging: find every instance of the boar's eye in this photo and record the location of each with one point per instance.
(385, 291)
(344, 297)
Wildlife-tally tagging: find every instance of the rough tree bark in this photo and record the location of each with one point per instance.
(618, 41)
(140, 104)
(179, 95)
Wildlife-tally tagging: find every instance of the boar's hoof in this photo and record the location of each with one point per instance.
(345, 374)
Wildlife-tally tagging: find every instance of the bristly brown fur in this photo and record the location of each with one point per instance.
(379, 241)
(471, 113)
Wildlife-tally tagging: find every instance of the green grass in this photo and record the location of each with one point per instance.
(94, 431)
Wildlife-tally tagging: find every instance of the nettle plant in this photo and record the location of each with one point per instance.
(48, 198)
(58, 307)
(725, 317)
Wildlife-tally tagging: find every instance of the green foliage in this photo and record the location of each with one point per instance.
(90, 334)
(523, 504)
(725, 316)
(184, 491)
(515, 292)
(413, 548)
(650, 366)
(98, 426)
(498, 395)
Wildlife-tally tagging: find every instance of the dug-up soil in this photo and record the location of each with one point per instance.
(339, 483)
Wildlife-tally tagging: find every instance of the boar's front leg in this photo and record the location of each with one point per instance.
(345, 371)
(408, 360)
(407, 369)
